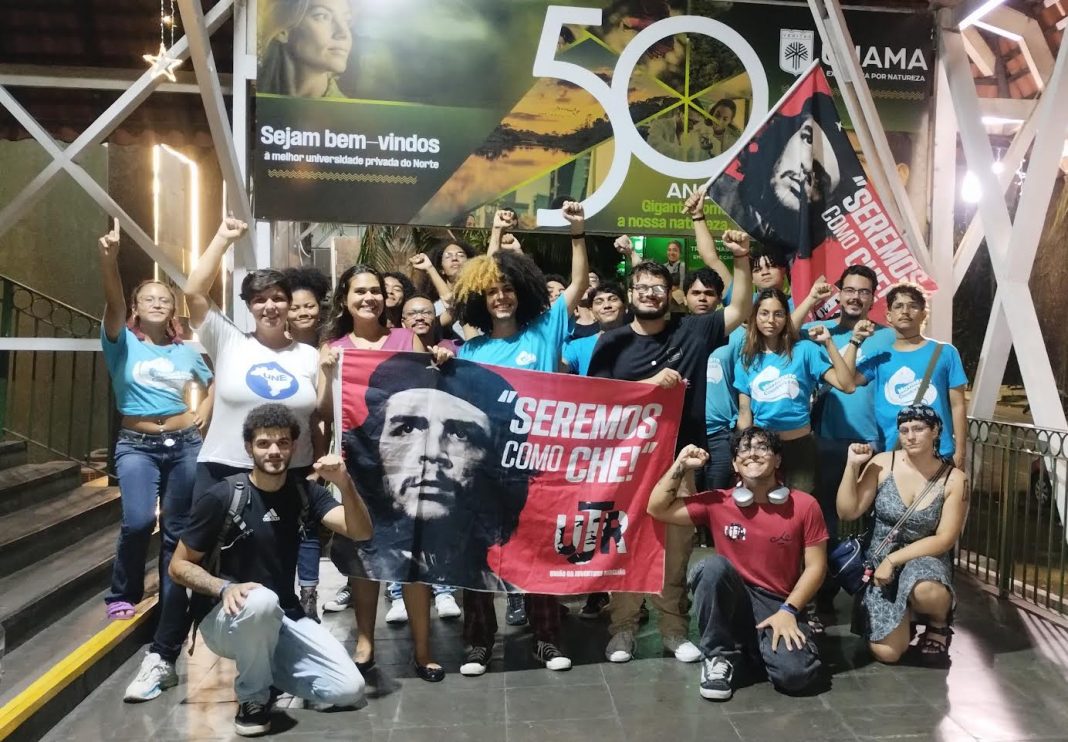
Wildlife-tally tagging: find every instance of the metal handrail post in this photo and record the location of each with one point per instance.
(1005, 519)
(7, 315)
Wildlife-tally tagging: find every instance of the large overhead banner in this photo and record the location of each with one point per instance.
(438, 112)
(494, 478)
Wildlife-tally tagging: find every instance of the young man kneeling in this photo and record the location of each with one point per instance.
(770, 561)
(257, 620)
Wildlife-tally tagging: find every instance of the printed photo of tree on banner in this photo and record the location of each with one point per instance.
(428, 112)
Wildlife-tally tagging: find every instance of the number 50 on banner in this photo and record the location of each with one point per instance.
(615, 104)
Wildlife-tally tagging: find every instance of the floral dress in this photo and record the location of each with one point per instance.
(884, 607)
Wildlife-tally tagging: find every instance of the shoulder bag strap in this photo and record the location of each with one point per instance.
(926, 382)
(916, 502)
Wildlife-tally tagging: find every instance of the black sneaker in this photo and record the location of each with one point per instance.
(595, 605)
(717, 679)
(516, 615)
(309, 602)
(549, 655)
(475, 661)
(253, 719)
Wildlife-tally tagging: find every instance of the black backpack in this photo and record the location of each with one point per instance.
(201, 605)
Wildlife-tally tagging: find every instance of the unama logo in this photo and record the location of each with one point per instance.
(271, 381)
(770, 385)
(901, 389)
(796, 49)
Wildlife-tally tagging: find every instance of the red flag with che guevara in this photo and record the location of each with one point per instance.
(798, 185)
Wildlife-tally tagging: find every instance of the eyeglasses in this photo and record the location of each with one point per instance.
(419, 313)
(862, 293)
(760, 449)
(655, 289)
(777, 314)
(454, 255)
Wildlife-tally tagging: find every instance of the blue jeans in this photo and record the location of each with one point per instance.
(719, 472)
(299, 657)
(393, 590)
(210, 473)
(149, 472)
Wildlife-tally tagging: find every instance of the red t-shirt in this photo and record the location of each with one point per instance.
(765, 543)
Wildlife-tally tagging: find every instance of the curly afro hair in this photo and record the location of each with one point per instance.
(481, 273)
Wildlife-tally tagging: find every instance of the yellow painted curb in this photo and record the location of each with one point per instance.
(63, 673)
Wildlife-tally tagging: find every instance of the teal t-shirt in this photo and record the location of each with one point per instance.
(578, 352)
(149, 380)
(850, 417)
(721, 399)
(896, 376)
(780, 388)
(537, 347)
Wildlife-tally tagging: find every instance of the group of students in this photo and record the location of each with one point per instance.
(746, 442)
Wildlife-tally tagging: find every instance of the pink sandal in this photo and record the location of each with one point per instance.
(120, 610)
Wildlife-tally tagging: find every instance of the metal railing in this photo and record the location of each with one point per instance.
(1014, 538)
(58, 401)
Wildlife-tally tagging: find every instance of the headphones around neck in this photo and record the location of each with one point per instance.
(744, 497)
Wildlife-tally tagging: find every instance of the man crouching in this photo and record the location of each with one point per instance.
(246, 530)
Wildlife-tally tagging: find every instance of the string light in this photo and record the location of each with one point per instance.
(162, 64)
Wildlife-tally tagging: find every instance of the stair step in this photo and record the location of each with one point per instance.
(35, 597)
(38, 531)
(12, 453)
(27, 484)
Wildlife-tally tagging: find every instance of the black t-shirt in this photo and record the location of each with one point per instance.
(684, 345)
(268, 553)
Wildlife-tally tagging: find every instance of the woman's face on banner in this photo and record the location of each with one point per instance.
(807, 170)
(323, 38)
(431, 446)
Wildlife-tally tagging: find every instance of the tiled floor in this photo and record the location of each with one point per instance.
(1009, 681)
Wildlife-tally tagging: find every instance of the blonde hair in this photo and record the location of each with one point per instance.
(476, 277)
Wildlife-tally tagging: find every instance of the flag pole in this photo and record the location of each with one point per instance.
(774, 109)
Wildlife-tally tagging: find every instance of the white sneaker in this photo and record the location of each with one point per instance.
(342, 600)
(620, 647)
(155, 676)
(397, 613)
(683, 649)
(446, 605)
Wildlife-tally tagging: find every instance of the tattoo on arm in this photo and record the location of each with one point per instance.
(678, 473)
(197, 579)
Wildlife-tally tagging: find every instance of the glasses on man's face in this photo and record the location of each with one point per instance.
(758, 449)
(656, 289)
(862, 293)
(156, 301)
(428, 313)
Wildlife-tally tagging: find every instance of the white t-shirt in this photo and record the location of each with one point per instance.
(248, 374)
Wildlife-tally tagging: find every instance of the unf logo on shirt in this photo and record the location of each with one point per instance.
(901, 389)
(771, 385)
(271, 381)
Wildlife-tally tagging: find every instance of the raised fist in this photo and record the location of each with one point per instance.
(737, 242)
(859, 453)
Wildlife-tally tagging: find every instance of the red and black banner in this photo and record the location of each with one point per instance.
(798, 185)
(494, 478)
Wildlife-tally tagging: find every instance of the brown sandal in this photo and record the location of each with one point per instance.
(932, 652)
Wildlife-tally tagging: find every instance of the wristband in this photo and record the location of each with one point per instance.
(579, 236)
(697, 218)
(789, 609)
(223, 588)
(854, 341)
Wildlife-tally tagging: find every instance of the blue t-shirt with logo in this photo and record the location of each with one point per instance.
(537, 347)
(850, 417)
(578, 352)
(150, 380)
(780, 388)
(896, 376)
(721, 400)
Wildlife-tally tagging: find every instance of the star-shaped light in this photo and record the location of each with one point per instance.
(162, 65)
